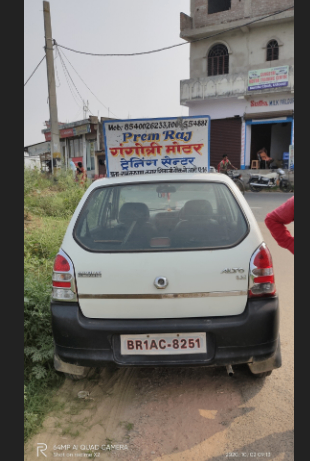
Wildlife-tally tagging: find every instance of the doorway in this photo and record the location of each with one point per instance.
(260, 137)
(275, 137)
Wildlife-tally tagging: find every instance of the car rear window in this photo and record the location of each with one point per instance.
(161, 216)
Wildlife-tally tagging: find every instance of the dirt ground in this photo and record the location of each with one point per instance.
(172, 414)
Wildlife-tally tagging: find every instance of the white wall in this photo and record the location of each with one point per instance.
(247, 50)
(32, 162)
(218, 108)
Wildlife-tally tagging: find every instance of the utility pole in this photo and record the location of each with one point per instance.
(55, 142)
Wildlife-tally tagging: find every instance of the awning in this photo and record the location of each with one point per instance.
(269, 115)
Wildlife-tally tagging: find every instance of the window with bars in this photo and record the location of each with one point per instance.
(216, 6)
(273, 50)
(218, 60)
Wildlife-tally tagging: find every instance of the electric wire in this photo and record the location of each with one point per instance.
(69, 85)
(178, 44)
(60, 51)
(65, 67)
(35, 70)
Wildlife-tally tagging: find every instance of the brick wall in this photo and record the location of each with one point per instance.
(239, 9)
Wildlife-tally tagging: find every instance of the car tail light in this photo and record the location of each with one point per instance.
(61, 264)
(261, 280)
(64, 288)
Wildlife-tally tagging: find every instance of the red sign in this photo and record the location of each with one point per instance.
(259, 103)
(75, 160)
(66, 133)
(69, 132)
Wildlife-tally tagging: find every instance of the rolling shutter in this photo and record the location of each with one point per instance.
(225, 139)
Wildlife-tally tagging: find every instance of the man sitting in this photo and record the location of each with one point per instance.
(264, 159)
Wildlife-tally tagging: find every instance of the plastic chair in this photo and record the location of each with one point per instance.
(255, 165)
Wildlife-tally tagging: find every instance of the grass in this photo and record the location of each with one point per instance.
(48, 206)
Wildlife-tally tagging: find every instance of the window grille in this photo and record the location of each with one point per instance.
(272, 51)
(218, 60)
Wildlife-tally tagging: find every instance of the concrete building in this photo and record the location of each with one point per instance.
(82, 141)
(78, 142)
(37, 155)
(243, 78)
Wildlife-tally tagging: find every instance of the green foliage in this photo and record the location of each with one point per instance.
(35, 180)
(39, 375)
(44, 242)
(38, 400)
(52, 196)
(49, 204)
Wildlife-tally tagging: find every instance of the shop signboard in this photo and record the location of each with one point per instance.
(158, 145)
(70, 132)
(274, 77)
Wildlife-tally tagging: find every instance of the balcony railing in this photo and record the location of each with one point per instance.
(224, 86)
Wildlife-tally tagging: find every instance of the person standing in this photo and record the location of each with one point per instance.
(225, 164)
(80, 174)
(276, 222)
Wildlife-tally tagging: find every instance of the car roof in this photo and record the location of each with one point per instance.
(149, 178)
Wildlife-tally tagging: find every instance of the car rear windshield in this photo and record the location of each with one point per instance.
(160, 217)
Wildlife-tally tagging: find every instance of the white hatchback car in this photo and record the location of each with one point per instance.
(164, 270)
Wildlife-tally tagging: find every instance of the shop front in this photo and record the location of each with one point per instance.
(265, 125)
(78, 142)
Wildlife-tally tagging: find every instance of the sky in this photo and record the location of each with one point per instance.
(127, 87)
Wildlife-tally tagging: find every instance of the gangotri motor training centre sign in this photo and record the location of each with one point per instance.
(167, 145)
(274, 77)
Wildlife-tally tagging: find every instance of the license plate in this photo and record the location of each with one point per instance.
(164, 344)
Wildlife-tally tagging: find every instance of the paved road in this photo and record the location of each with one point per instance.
(264, 202)
(188, 414)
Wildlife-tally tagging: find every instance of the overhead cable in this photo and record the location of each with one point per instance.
(35, 70)
(65, 67)
(68, 81)
(60, 51)
(178, 44)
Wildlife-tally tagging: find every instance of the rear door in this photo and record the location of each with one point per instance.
(194, 234)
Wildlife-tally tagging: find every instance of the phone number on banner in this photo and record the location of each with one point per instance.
(158, 125)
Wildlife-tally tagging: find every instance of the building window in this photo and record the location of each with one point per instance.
(218, 60)
(216, 6)
(272, 51)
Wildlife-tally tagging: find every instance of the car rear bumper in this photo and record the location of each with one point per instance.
(246, 338)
